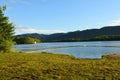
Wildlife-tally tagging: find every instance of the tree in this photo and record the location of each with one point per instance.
(26, 40)
(6, 32)
(29, 40)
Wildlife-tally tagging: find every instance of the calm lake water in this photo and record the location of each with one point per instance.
(78, 49)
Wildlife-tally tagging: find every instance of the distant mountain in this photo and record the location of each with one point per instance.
(88, 34)
(42, 37)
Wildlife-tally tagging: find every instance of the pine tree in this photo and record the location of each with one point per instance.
(6, 32)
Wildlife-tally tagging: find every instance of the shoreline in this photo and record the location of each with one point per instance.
(110, 56)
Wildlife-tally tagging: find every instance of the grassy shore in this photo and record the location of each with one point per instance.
(34, 66)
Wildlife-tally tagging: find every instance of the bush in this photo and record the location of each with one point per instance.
(5, 46)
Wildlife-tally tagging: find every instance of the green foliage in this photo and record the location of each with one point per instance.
(28, 66)
(6, 32)
(26, 40)
(5, 46)
(106, 38)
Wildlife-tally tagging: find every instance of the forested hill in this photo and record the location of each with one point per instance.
(105, 33)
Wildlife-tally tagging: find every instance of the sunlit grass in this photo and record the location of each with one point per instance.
(34, 66)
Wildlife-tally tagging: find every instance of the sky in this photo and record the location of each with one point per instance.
(61, 16)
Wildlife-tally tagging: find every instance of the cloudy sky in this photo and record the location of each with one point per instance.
(55, 16)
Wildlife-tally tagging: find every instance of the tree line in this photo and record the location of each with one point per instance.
(26, 40)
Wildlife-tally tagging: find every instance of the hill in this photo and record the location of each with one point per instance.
(105, 33)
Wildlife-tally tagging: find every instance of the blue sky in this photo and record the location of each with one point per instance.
(55, 16)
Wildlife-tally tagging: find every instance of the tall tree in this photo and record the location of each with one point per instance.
(6, 32)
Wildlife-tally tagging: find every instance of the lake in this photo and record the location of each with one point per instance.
(78, 49)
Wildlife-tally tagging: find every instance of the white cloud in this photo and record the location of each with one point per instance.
(115, 23)
(22, 30)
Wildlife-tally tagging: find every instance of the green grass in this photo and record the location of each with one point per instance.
(34, 66)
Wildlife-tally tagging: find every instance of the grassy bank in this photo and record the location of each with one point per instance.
(28, 66)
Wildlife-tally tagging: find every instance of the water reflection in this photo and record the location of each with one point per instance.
(78, 49)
